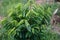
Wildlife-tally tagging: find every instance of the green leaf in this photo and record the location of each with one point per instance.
(28, 25)
(21, 22)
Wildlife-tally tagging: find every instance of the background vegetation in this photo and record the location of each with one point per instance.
(6, 4)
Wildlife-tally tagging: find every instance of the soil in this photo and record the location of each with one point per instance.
(56, 29)
(1, 18)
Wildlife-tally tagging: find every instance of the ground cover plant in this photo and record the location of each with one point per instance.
(27, 22)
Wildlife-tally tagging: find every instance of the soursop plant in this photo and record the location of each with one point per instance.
(27, 22)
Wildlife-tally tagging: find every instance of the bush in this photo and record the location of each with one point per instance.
(27, 22)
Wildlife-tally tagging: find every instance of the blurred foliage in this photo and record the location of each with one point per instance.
(6, 4)
(28, 22)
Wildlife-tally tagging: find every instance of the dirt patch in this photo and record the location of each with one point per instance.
(1, 18)
(56, 29)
